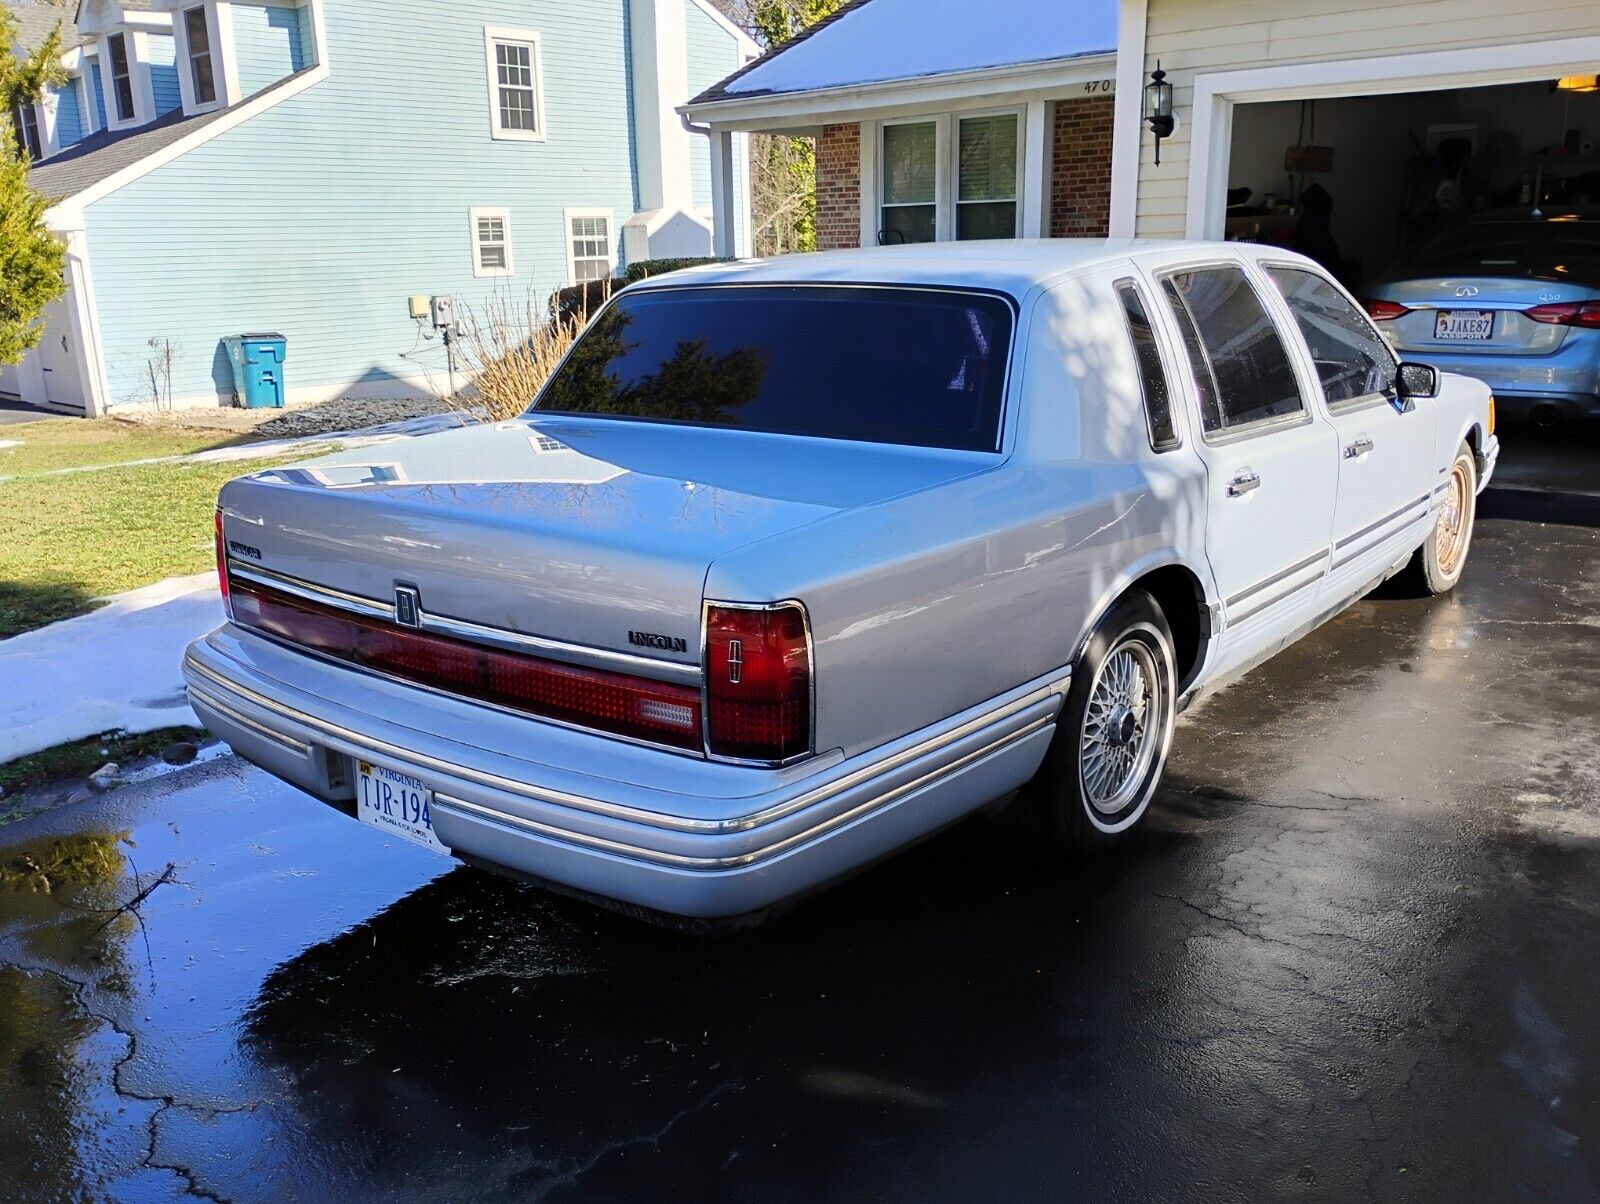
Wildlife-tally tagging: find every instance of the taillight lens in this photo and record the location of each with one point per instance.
(1583, 314)
(1491, 413)
(641, 708)
(758, 681)
(222, 567)
(1384, 311)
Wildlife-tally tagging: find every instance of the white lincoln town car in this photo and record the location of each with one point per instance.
(791, 563)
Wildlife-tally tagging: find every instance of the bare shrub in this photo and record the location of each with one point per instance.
(509, 350)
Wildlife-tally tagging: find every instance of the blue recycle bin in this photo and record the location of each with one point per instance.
(257, 361)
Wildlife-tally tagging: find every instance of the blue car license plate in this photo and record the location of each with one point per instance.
(397, 803)
(1464, 325)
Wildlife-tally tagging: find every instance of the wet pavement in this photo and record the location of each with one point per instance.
(1351, 957)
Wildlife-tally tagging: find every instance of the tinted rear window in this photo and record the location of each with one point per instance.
(1550, 250)
(924, 368)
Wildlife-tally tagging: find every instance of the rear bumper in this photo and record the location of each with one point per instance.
(650, 828)
(1532, 405)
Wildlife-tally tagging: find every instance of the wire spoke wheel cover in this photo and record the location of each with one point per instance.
(1120, 735)
(1450, 538)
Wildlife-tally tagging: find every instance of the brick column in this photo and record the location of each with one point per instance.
(839, 187)
(1080, 183)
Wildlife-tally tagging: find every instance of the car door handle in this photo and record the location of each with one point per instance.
(1359, 448)
(1244, 483)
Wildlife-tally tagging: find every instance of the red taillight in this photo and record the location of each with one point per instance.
(1583, 314)
(758, 681)
(613, 702)
(1384, 311)
(222, 567)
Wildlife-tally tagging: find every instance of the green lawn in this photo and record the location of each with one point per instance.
(70, 538)
(83, 757)
(79, 442)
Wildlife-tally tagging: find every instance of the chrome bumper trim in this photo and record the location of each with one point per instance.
(739, 860)
(383, 750)
(475, 633)
(260, 729)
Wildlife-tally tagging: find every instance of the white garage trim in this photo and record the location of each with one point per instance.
(88, 353)
(1215, 95)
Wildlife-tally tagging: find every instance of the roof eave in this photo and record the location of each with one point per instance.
(848, 101)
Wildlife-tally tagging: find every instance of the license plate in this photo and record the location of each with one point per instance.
(1464, 325)
(397, 803)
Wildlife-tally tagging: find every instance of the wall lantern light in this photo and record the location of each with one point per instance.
(1158, 107)
(1578, 83)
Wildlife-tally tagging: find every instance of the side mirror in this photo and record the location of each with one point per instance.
(1417, 380)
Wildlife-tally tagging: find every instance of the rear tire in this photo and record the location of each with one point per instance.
(1112, 734)
(1437, 565)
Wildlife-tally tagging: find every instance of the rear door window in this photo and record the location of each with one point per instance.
(1352, 360)
(1152, 372)
(919, 367)
(1240, 364)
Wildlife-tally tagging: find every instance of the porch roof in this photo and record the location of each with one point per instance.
(893, 41)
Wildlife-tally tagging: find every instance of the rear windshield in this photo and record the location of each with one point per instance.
(920, 367)
(1550, 250)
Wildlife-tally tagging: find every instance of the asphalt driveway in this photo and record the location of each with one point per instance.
(1352, 957)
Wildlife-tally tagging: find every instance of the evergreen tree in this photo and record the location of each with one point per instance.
(31, 257)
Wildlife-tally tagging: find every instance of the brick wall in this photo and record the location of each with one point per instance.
(838, 187)
(1080, 184)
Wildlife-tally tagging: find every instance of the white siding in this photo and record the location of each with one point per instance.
(1191, 37)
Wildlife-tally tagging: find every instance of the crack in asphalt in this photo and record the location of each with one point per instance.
(570, 1178)
(186, 1174)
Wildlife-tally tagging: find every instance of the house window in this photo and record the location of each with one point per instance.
(588, 245)
(986, 176)
(910, 170)
(121, 76)
(516, 84)
(26, 120)
(202, 72)
(491, 242)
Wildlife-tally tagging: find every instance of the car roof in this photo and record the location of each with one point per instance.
(1010, 265)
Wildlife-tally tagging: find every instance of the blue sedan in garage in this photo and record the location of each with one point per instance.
(1511, 298)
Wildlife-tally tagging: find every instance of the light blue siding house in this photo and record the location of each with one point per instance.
(225, 166)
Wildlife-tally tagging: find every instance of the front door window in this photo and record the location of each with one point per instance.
(910, 207)
(986, 179)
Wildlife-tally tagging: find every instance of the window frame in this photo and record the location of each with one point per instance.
(115, 116)
(490, 212)
(1349, 405)
(947, 168)
(940, 172)
(567, 218)
(1173, 379)
(498, 35)
(24, 117)
(1225, 435)
(953, 226)
(211, 56)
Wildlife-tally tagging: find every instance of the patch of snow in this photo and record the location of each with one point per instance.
(4, 443)
(116, 668)
(907, 39)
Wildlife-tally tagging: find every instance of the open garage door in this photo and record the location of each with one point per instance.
(1467, 219)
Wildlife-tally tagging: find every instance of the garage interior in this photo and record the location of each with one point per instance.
(1397, 167)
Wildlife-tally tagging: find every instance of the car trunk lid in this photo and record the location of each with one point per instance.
(590, 533)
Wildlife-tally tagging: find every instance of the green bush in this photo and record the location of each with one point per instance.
(660, 267)
(581, 300)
